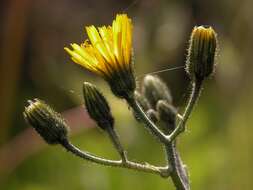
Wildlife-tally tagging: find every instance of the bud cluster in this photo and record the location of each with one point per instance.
(159, 101)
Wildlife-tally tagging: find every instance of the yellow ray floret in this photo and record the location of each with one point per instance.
(108, 49)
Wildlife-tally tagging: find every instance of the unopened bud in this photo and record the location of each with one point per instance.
(201, 53)
(152, 115)
(48, 123)
(154, 89)
(97, 106)
(142, 101)
(167, 113)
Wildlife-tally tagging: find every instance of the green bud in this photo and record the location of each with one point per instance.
(152, 115)
(142, 101)
(154, 89)
(48, 123)
(201, 53)
(97, 106)
(167, 113)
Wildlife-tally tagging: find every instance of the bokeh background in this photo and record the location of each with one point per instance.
(218, 144)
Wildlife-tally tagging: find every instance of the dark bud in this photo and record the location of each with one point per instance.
(152, 115)
(97, 106)
(167, 113)
(48, 123)
(201, 53)
(154, 89)
(142, 101)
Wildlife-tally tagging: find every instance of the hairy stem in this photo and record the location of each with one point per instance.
(162, 171)
(178, 173)
(196, 89)
(148, 123)
(116, 142)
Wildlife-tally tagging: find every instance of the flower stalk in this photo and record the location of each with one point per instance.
(195, 93)
(148, 168)
(116, 142)
(148, 123)
(178, 173)
(108, 53)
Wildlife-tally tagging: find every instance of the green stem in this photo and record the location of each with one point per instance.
(196, 89)
(116, 142)
(162, 171)
(178, 174)
(148, 123)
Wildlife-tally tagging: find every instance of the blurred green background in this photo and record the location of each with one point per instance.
(217, 147)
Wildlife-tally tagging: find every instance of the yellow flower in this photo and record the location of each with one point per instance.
(108, 53)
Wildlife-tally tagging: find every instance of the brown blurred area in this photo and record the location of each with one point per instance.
(34, 64)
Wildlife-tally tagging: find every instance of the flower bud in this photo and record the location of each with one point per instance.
(97, 106)
(201, 53)
(152, 115)
(154, 89)
(142, 101)
(167, 113)
(48, 123)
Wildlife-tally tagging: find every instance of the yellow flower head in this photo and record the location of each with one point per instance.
(108, 53)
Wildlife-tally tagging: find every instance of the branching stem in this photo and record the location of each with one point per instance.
(196, 89)
(162, 171)
(116, 142)
(167, 140)
(148, 123)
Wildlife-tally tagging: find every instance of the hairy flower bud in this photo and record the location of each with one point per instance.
(154, 89)
(201, 53)
(97, 106)
(167, 113)
(152, 115)
(48, 123)
(142, 101)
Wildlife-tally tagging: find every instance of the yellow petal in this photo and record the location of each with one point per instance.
(97, 42)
